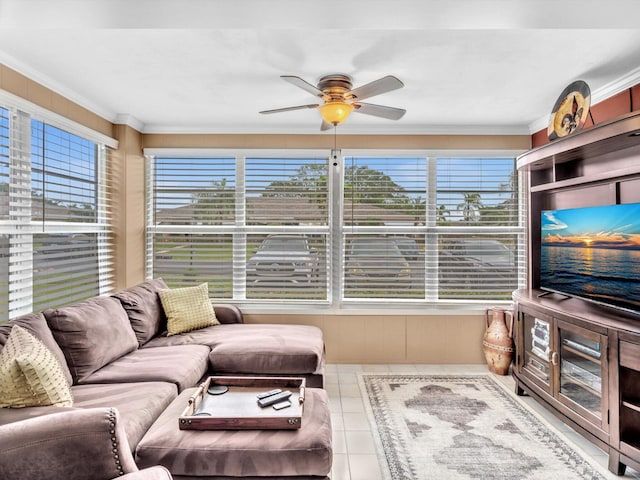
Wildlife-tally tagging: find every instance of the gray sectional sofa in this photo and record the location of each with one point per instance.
(116, 355)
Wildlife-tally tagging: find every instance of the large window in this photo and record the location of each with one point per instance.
(55, 242)
(287, 228)
(432, 228)
(255, 227)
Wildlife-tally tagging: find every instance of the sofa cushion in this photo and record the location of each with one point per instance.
(269, 348)
(256, 348)
(30, 375)
(91, 334)
(202, 336)
(304, 452)
(139, 404)
(187, 308)
(183, 365)
(144, 309)
(36, 324)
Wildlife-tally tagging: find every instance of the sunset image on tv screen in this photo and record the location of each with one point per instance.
(593, 252)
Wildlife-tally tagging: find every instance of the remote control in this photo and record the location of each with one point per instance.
(278, 397)
(268, 394)
(281, 405)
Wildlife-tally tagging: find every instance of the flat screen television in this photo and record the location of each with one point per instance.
(593, 253)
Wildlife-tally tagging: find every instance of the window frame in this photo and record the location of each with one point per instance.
(336, 166)
(241, 229)
(431, 300)
(21, 227)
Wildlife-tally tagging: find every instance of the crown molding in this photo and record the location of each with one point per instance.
(623, 83)
(51, 84)
(129, 120)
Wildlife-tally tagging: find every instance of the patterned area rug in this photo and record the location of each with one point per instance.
(465, 427)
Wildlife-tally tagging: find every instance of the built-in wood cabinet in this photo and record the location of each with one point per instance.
(579, 359)
(582, 361)
(627, 439)
(565, 359)
(581, 364)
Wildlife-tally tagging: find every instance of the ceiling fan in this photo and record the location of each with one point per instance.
(340, 98)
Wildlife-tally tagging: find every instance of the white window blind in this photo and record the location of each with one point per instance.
(477, 191)
(194, 206)
(384, 192)
(65, 268)
(286, 191)
(4, 276)
(186, 259)
(194, 190)
(432, 229)
(70, 196)
(18, 226)
(287, 214)
(253, 226)
(274, 228)
(480, 224)
(64, 176)
(57, 219)
(4, 164)
(384, 227)
(4, 213)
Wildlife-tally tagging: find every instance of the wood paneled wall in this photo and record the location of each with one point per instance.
(620, 104)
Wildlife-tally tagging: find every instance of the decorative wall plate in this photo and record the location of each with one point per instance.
(570, 110)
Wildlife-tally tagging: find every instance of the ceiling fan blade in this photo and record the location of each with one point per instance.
(303, 84)
(390, 113)
(382, 85)
(288, 109)
(325, 126)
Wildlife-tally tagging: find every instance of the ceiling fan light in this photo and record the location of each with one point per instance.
(335, 112)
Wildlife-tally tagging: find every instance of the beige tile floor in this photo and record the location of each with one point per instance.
(354, 451)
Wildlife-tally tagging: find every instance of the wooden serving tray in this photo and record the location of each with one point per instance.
(238, 408)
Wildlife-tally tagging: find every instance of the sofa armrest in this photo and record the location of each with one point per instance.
(71, 445)
(151, 473)
(227, 313)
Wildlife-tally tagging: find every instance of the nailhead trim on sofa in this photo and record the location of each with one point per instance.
(114, 441)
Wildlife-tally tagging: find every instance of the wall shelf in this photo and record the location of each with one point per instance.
(618, 134)
(597, 154)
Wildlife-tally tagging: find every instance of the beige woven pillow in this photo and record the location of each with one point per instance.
(30, 375)
(187, 308)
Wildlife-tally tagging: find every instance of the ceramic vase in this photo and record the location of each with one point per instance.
(497, 343)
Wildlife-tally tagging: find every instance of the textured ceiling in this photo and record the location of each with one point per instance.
(469, 66)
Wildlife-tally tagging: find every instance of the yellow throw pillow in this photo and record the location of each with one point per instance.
(30, 375)
(187, 308)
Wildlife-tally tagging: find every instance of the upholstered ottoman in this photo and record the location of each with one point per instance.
(304, 453)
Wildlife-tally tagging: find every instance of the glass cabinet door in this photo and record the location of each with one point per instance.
(537, 347)
(581, 368)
